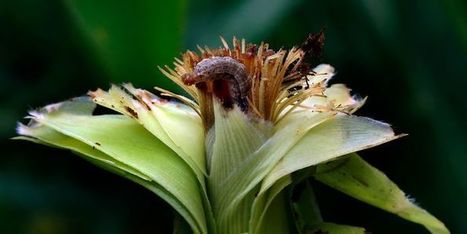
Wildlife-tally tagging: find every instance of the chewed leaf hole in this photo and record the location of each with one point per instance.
(100, 110)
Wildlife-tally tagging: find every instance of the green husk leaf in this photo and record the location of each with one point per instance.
(276, 217)
(308, 215)
(339, 136)
(52, 138)
(262, 203)
(176, 125)
(121, 145)
(331, 139)
(236, 136)
(181, 123)
(44, 135)
(356, 178)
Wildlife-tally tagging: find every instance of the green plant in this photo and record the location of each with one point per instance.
(259, 122)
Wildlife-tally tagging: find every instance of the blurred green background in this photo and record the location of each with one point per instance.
(409, 57)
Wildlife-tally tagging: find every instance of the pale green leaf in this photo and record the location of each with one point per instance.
(356, 178)
(233, 192)
(181, 123)
(122, 145)
(235, 138)
(44, 135)
(175, 124)
(339, 136)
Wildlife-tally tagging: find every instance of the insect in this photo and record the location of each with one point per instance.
(225, 77)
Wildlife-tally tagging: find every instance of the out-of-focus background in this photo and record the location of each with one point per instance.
(408, 57)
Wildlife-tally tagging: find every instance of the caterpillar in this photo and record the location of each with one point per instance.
(228, 77)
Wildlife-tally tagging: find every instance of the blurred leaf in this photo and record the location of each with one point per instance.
(133, 37)
(332, 228)
(44, 56)
(456, 11)
(250, 19)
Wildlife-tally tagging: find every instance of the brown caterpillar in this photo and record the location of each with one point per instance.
(225, 77)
